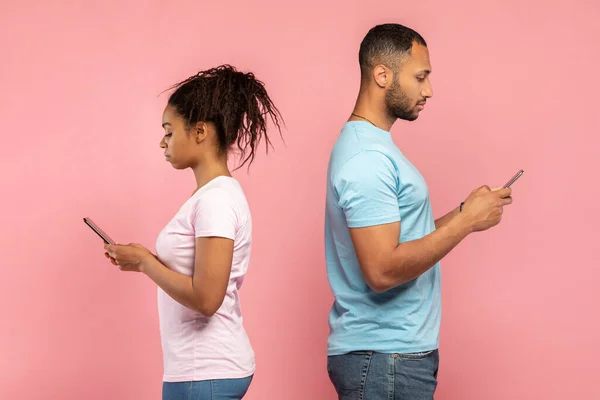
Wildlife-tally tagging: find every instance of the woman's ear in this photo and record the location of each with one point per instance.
(200, 131)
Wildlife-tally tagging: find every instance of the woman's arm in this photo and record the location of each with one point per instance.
(205, 290)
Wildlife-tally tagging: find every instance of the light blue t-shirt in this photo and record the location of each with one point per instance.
(370, 182)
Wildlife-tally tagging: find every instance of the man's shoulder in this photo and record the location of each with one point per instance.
(363, 161)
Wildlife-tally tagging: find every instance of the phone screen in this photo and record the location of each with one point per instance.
(98, 231)
(513, 179)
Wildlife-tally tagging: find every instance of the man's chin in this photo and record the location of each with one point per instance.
(409, 118)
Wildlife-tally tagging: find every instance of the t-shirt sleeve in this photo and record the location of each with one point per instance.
(214, 214)
(367, 190)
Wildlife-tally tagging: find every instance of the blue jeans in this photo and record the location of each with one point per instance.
(370, 375)
(217, 389)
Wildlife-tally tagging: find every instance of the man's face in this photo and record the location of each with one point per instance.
(411, 87)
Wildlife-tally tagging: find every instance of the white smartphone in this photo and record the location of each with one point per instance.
(513, 179)
(98, 231)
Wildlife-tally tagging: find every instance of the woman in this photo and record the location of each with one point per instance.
(203, 252)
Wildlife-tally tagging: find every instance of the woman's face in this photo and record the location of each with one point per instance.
(181, 146)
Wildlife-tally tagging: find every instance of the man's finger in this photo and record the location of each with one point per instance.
(503, 193)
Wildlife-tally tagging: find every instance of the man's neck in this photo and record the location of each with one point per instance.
(371, 110)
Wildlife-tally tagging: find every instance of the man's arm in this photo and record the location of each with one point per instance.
(367, 192)
(446, 218)
(385, 263)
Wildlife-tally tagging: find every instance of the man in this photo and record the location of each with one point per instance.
(383, 246)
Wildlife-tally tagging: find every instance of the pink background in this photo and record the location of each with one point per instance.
(515, 87)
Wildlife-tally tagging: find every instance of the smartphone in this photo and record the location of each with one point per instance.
(513, 179)
(98, 231)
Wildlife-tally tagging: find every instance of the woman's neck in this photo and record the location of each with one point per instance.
(208, 171)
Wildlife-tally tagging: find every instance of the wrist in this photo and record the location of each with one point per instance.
(462, 224)
(457, 211)
(146, 263)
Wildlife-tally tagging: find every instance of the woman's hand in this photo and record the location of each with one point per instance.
(131, 257)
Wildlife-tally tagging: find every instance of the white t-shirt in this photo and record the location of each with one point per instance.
(196, 347)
